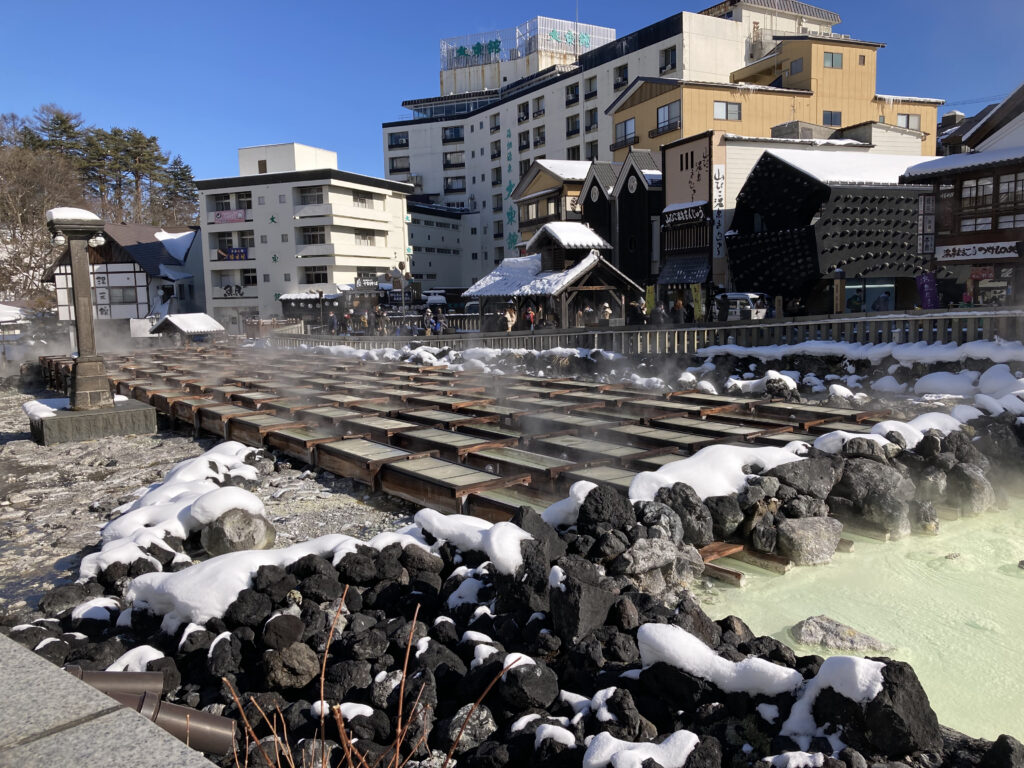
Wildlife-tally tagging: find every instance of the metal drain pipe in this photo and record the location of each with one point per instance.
(120, 682)
(199, 730)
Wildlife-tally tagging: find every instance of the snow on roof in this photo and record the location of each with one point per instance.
(176, 243)
(843, 168)
(521, 276)
(189, 323)
(9, 314)
(174, 274)
(569, 234)
(568, 170)
(814, 142)
(653, 177)
(684, 206)
(70, 214)
(541, 193)
(967, 160)
(908, 99)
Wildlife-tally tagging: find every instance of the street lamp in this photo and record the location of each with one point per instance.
(89, 387)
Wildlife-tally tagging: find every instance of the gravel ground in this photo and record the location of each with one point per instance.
(54, 500)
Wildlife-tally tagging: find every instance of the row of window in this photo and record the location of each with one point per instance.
(432, 223)
(303, 196)
(983, 223)
(304, 236)
(977, 193)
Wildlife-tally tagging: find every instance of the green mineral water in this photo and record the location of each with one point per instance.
(951, 605)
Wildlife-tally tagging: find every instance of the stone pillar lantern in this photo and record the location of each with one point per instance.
(80, 228)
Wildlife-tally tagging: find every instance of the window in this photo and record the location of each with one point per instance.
(968, 193)
(496, 176)
(455, 159)
(266, 277)
(833, 60)
(524, 166)
(539, 136)
(282, 199)
(572, 125)
(225, 240)
(365, 237)
(261, 166)
(862, 60)
(625, 134)
(284, 237)
(396, 140)
(451, 133)
(455, 184)
(474, 257)
(590, 120)
(524, 140)
(538, 106)
(472, 230)
(1011, 188)
(222, 202)
(244, 201)
(246, 238)
(829, 117)
(913, 122)
(312, 236)
(1012, 222)
(398, 164)
(796, 66)
(572, 153)
(985, 192)
(495, 123)
(495, 149)
(496, 202)
(728, 110)
(248, 277)
(263, 239)
(120, 295)
(314, 274)
(311, 195)
(287, 277)
(572, 94)
(591, 151)
(668, 116)
(260, 200)
(590, 87)
(667, 59)
(621, 76)
(523, 111)
(979, 224)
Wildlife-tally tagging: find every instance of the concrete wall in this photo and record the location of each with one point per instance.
(284, 157)
(1011, 135)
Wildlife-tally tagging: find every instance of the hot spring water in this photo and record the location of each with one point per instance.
(959, 620)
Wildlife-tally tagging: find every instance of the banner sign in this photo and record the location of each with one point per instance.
(928, 291)
(229, 217)
(976, 252)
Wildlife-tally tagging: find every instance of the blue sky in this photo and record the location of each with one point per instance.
(207, 78)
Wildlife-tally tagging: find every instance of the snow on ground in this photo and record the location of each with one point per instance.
(997, 351)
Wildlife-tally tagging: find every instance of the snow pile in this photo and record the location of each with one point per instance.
(605, 749)
(678, 648)
(857, 679)
(888, 385)
(135, 660)
(716, 470)
(758, 386)
(499, 541)
(565, 511)
(795, 760)
(944, 383)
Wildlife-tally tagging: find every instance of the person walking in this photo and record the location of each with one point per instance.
(606, 311)
(428, 322)
(332, 324)
(531, 317)
(510, 318)
(881, 303)
(659, 316)
(856, 302)
(688, 312)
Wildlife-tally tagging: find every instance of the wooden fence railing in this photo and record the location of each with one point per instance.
(957, 326)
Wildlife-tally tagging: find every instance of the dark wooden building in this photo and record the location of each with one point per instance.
(639, 197)
(809, 223)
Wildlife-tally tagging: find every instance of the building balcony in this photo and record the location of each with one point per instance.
(495, 182)
(398, 143)
(524, 146)
(495, 155)
(624, 142)
(524, 116)
(313, 209)
(447, 165)
(589, 95)
(452, 139)
(454, 190)
(572, 132)
(538, 142)
(399, 169)
(314, 249)
(664, 128)
(538, 113)
(496, 209)
(499, 235)
(495, 128)
(621, 83)
(570, 100)
(591, 127)
(667, 67)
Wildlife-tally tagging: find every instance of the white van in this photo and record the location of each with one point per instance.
(746, 306)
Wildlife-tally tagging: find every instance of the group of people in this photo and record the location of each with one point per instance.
(882, 302)
(434, 322)
(350, 322)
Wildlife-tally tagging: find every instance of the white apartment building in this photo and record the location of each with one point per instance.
(291, 222)
(436, 236)
(545, 97)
